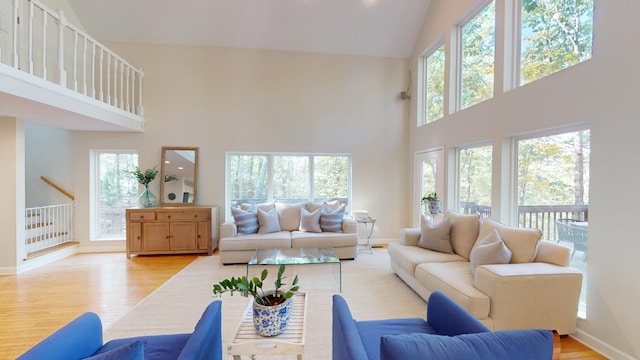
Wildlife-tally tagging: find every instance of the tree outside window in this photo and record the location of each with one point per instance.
(478, 57)
(555, 34)
(434, 86)
(474, 187)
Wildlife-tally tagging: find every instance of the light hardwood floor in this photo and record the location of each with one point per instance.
(37, 302)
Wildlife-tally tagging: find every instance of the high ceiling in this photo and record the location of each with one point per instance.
(387, 28)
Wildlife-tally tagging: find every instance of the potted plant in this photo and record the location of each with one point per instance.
(433, 203)
(271, 309)
(146, 199)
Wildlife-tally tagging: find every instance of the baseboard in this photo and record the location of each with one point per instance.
(601, 347)
(46, 258)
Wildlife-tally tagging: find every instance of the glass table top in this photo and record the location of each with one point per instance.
(288, 256)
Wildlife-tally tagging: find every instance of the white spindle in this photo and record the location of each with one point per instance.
(44, 44)
(61, 72)
(15, 59)
(84, 66)
(122, 106)
(75, 61)
(93, 70)
(127, 100)
(109, 79)
(101, 70)
(30, 38)
(140, 105)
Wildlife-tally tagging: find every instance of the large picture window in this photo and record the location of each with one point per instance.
(433, 85)
(261, 177)
(477, 38)
(113, 191)
(554, 35)
(474, 180)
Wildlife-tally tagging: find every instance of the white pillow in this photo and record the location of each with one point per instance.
(268, 221)
(490, 250)
(289, 215)
(310, 221)
(435, 236)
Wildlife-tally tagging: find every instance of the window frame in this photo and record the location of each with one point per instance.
(269, 183)
(423, 119)
(95, 193)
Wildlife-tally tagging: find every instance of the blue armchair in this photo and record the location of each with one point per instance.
(449, 332)
(82, 339)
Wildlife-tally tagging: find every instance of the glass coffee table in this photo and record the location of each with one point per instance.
(295, 256)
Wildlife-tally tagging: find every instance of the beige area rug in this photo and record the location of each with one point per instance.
(371, 289)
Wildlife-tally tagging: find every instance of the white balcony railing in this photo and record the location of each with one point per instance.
(42, 43)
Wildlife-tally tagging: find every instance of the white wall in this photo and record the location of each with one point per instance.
(603, 93)
(224, 99)
(50, 153)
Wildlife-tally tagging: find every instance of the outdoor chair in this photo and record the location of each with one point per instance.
(569, 230)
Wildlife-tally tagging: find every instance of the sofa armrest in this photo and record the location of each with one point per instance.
(349, 226)
(553, 253)
(533, 295)
(79, 339)
(448, 318)
(409, 236)
(345, 338)
(228, 229)
(206, 340)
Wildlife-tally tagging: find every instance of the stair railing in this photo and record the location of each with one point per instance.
(48, 226)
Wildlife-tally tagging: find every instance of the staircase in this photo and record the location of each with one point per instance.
(47, 227)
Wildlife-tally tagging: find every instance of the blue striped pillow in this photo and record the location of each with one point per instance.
(246, 220)
(331, 220)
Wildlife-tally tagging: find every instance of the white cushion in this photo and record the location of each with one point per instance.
(523, 242)
(268, 220)
(435, 236)
(310, 221)
(489, 250)
(289, 215)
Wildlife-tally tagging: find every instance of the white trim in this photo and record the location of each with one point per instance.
(600, 346)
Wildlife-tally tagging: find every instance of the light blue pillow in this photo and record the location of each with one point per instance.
(331, 220)
(532, 344)
(246, 220)
(132, 351)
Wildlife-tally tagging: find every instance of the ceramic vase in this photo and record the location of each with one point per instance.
(271, 320)
(434, 207)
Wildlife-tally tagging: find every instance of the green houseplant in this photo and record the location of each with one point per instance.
(146, 199)
(271, 308)
(434, 205)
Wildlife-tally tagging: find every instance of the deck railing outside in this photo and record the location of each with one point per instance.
(48, 226)
(42, 43)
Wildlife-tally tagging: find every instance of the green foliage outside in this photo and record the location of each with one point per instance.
(117, 187)
(435, 85)
(478, 57)
(475, 175)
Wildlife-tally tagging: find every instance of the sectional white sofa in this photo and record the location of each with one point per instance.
(535, 288)
(298, 226)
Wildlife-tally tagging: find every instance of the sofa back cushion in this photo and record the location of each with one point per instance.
(464, 232)
(500, 345)
(435, 236)
(523, 242)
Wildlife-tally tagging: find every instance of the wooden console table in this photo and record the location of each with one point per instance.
(171, 230)
(246, 340)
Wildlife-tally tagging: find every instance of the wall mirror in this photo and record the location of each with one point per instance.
(179, 176)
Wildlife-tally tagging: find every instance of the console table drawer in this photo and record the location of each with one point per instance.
(202, 215)
(142, 215)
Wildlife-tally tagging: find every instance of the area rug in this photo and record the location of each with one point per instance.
(369, 286)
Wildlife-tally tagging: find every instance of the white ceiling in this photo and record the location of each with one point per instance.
(387, 28)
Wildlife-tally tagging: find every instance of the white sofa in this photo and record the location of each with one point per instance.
(234, 248)
(536, 289)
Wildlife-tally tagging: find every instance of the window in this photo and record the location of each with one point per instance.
(474, 180)
(434, 85)
(292, 178)
(553, 189)
(477, 38)
(554, 35)
(113, 191)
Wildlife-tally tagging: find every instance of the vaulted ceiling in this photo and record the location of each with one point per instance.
(387, 28)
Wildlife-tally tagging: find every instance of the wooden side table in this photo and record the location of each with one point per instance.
(291, 342)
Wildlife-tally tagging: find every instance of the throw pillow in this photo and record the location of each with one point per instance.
(132, 351)
(522, 242)
(310, 221)
(268, 221)
(435, 236)
(331, 220)
(489, 250)
(246, 220)
(289, 215)
(526, 344)
(464, 232)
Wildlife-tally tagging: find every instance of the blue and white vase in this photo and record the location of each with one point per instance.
(271, 320)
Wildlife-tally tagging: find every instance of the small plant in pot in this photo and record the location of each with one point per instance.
(432, 202)
(271, 308)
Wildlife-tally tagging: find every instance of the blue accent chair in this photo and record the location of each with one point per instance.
(82, 339)
(449, 332)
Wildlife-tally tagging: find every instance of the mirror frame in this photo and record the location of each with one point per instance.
(163, 173)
